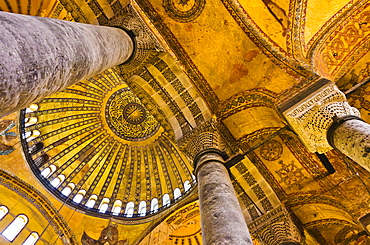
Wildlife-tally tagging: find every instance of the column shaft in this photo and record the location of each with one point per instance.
(222, 219)
(352, 138)
(40, 56)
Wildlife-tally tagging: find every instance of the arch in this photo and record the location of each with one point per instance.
(176, 193)
(117, 206)
(154, 205)
(91, 202)
(14, 228)
(58, 180)
(46, 172)
(142, 208)
(103, 207)
(129, 211)
(35, 134)
(3, 211)
(187, 185)
(31, 239)
(68, 189)
(166, 200)
(79, 196)
(32, 108)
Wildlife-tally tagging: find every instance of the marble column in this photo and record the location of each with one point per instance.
(323, 119)
(351, 136)
(40, 56)
(221, 216)
(222, 219)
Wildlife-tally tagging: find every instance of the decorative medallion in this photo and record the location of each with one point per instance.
(184, 10)
(272, 150)
(127, 118)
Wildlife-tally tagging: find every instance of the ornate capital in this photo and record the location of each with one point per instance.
(312, 115)
(275, 227)
(204, 137)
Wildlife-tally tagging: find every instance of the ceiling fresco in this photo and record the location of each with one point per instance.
(114, 136)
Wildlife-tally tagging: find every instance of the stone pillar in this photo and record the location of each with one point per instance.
(221, 216)
(351, 136)
(276, 228)
(40, 56)
(323, 119)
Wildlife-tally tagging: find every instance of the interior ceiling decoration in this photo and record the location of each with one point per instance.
(98, 136)
(241, 59)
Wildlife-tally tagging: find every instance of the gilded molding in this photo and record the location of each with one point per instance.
(258, 97)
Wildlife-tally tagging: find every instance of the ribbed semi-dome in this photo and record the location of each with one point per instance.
(96, 146)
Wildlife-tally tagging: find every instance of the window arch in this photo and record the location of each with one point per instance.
(80, 195)
(68, 189)
(35, 147)
(15, 227)
(187, 185)
(176, 193)
(31, 239)
(41, 160)
(117, 206)
(166, 200)
(32, 108)
(129, 211)
(91, 202)
(3, 211)
(58, 180)
(31, 121)
(35, 134)
(46, 172)
(142, 208)
(154, 205)
(104, 205)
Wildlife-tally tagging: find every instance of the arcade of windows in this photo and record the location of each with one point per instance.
(16, 226)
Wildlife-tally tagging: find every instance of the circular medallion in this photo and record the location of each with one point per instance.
(184, 10)
(272, 150)
(134, 113)
(128, 118)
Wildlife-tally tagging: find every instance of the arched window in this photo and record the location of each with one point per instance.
(46, 172)
(31, 239)
(32, 108)
(91, 202)
(35, 147)
(58, 180)
(80, 195)
(154, 205)
(3, 211)
(31, 121)
(117, 206)
(142, 208)
(176, 193)
(68, 189)
(187, 185)
(129, 211)
(35, 134)
(166, 199)
(41, 160)
(104, 205)
(15, 227)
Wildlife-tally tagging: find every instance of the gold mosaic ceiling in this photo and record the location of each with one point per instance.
(98, 139)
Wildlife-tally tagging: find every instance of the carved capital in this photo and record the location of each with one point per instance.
(206, 136)
(312, 115)
(275, 227)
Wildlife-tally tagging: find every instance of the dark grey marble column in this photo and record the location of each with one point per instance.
(221, 216)
(40, 56)
(351, 136)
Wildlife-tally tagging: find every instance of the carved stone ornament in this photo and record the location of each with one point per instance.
(311, 117)
(275, 227)
(203, 137)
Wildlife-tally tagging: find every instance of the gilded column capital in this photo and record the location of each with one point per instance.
(206, 136)
(311, 113)
(276, 227)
